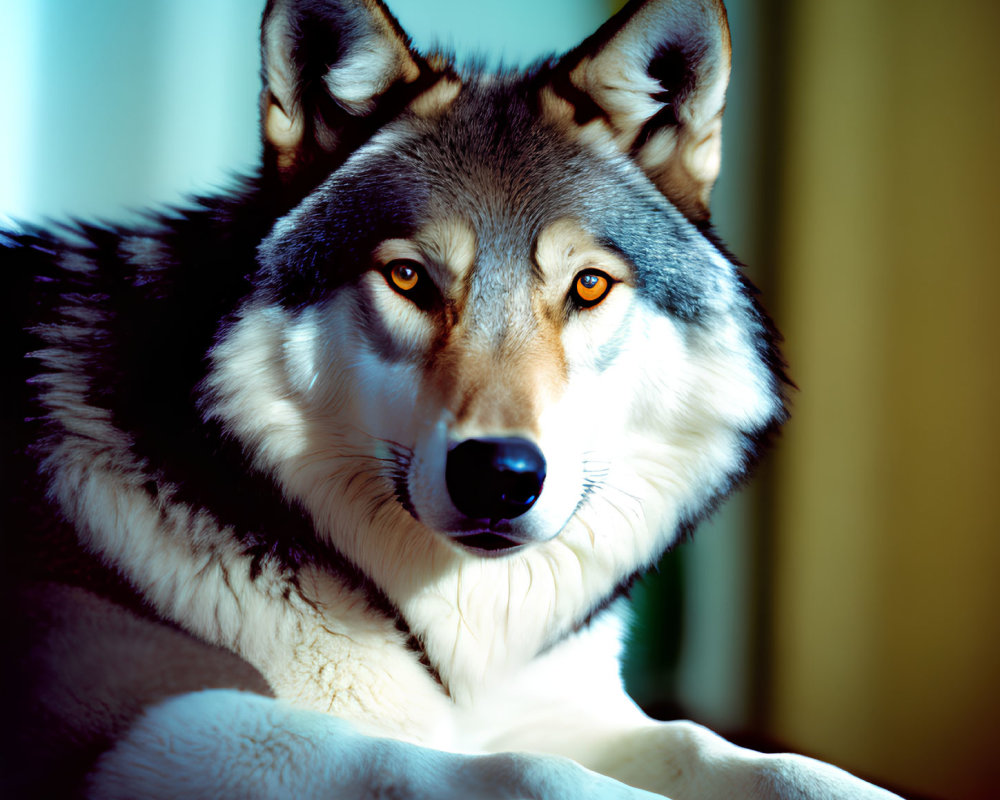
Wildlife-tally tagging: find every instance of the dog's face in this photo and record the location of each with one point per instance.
(494, 323)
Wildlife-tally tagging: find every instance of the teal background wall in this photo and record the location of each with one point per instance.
(112, 105)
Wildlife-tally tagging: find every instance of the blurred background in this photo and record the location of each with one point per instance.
(846, 604)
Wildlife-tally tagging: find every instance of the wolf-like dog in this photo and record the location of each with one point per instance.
(331, 486)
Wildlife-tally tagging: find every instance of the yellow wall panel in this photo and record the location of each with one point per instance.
(887, 595)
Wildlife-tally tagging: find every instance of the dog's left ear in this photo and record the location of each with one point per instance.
(331, 69)
(656, 75)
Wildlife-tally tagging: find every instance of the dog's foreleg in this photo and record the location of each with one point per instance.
(681, 760)
(572, 702)
(224, 743)
(689, 762)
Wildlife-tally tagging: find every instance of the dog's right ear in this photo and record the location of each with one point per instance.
(328, 67)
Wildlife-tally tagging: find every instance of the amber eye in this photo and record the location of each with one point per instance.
(590, 288)
(403, 276)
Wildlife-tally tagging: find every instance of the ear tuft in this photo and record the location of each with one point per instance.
(658, 72)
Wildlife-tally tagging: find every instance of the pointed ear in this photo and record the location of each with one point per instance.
(656, 74)
(328, 66)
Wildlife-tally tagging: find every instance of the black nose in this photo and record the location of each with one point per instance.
(494, 478)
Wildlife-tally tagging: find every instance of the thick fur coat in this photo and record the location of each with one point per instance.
(331, 486)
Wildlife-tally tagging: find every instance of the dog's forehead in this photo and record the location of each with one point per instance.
(491, 159)
(494, 160)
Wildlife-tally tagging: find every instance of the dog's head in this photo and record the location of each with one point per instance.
(493, 319)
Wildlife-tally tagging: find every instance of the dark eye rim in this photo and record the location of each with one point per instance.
(413, 264)
(581, 302)
(423, 293)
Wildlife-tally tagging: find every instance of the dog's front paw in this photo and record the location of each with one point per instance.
(793, 776)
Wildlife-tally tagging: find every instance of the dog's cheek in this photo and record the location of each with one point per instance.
(358, 358)
(690, 415)
(627, 373)
(396, 328)
(585, 433)
(388, 397)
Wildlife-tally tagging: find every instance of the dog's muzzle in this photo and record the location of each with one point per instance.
(494, 479)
